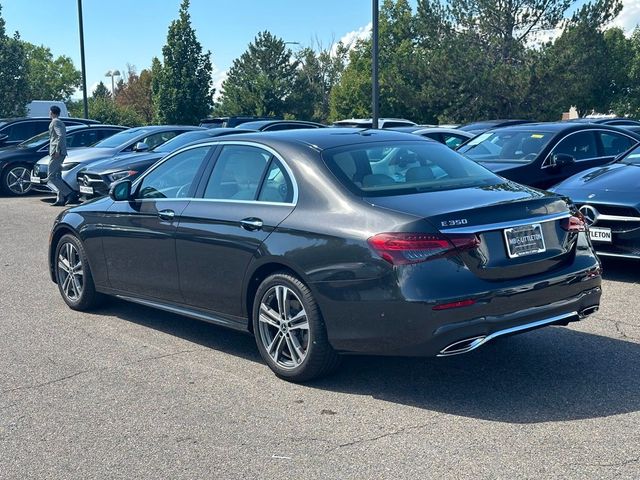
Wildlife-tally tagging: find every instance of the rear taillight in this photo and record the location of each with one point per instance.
(402, 248)
(575, 223)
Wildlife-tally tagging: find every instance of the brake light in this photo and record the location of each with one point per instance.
(403, 248)
(461, 303)
(575, 223)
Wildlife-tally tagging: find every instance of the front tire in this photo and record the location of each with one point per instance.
(289, 330)
(73, 275)
(15, 180)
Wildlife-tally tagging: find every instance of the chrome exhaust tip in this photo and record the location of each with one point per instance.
(588, 311)
(462, 346)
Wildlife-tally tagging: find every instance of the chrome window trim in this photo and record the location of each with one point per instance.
(594, 130)
(222, 143)
(501, 225)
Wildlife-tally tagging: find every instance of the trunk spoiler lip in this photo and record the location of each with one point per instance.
(507, 224)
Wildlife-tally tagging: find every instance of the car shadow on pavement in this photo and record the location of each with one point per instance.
(621, 269)
(552, 374)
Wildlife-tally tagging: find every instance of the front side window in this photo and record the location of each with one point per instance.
(405, 168)
(159, 138)
(615, 144)
(507, 145)
(175, 177)
(238, 173)
(453, 141)
(580, 145)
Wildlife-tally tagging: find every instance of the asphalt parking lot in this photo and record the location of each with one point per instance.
(130, 392)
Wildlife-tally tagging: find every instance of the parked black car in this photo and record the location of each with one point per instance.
(543, 154)
(276, 125)
(616, 122)
(17, 161)
(368, 123)
(609, 199)
(230, 122)
(477, 128)
(291, 235)
(96, 180)
(17, 130)
(451, 137)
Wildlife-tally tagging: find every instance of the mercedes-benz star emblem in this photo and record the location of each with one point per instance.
(590, 214)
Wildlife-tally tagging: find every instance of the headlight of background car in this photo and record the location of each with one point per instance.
(69, 165)
(114, 177)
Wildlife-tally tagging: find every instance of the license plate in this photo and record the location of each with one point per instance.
(86, 190)
(34, 179)
(599, 234)
(525, 240)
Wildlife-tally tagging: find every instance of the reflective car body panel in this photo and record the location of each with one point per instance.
(213, 253)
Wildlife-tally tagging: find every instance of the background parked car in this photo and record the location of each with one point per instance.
(616, 122)
(368, 123)
(543, 154)
(276, 125)
(315, 254)
(96, 180)
(140, 139)
(229, 122)
(451, 137)
(16, 130)
(477, 128)
(609, 199)
(16, 161)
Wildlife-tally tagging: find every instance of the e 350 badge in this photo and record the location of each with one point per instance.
(454, 223)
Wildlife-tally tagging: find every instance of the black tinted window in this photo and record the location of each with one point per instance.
(579, 145)
(614, 143)
(238, 173)
(24, 130)
(175, 177)
(276, 186)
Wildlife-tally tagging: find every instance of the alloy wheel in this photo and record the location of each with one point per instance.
(18, 180)
(284, 327)
(70, 272)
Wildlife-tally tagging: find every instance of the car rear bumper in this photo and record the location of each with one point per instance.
(360, 320)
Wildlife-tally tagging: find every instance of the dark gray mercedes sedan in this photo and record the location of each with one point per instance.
(331, 241)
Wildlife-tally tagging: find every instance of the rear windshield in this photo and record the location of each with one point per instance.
(506, 145)
(633, 157)
(40, 139)
(179, 141)
(397, 168)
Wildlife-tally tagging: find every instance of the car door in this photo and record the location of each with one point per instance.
(139, 234)
(248, 193)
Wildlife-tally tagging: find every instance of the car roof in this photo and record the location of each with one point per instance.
(555, 127)
(325, 138)
(258, 124)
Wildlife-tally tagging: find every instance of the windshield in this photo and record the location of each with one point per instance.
(35, 141)
(506, 145)
(179, 141)
(633, 157)
(120, 138)
(401, 168)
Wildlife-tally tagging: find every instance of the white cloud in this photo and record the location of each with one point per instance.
(351, 38)
(629, 17)
(218, 76)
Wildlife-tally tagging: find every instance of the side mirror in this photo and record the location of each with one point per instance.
(559, 160)
(120, 191)
(140, 147)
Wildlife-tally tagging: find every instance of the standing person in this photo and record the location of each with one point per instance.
(57, 152)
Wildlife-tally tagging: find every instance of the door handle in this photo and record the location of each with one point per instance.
(166, 214)
(251, 223)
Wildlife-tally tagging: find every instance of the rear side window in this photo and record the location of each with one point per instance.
(276, 186)
(614, 144)
(25, 130)
(397, 168)
(238, 173)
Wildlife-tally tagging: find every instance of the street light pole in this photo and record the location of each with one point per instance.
(112, 73)
(375, 94)
(82, 66)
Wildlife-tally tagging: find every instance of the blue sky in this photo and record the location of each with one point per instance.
(121, 32)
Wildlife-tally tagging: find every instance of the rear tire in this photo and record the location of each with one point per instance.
(289, 330)
(73, 275)
(15, 180)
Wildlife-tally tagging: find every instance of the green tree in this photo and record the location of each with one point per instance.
(49, 78)
(14, 93)
(261, 81)
(107, 111)
(182, 84)
(101, 91)
(137, 94)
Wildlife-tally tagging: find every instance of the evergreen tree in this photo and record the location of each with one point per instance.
(182, 84)
(261, 81)
(101, 91)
